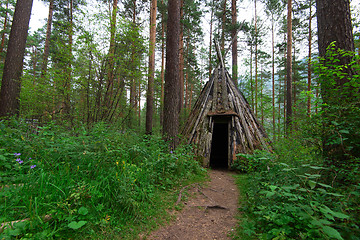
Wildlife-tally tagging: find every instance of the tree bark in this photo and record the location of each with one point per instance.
(309, 62)
(67, 84)
(150, 90)
(289, 70)
(273, 71)
(139, 104)
(223, 27)
(334, 25)
(294, 99)
(111, 56)
(234, 46)
(47, 40)
(11, 81)
(133, 83)
(261, 96)
(210, 43)
(181, 56)
(171, 96)
(162, 74)
(251, 79)
(256, 64)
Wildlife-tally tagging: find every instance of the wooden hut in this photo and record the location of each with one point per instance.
(221, 123)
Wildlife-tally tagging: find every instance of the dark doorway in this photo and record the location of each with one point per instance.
(219, 146)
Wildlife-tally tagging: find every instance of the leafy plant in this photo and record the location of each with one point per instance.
(247, 163)
(341, 110)
(295, 201)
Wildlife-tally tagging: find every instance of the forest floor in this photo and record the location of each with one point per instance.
(208, 210)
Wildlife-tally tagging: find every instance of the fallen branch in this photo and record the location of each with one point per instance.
(216, 207)
(212, 207)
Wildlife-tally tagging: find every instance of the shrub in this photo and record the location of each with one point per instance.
(295, 202)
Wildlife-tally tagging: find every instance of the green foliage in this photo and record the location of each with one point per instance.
(246, 163)
(88, 181)
(297, 200)
(340, 80)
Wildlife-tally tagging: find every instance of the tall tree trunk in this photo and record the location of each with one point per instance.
(251, 79)
(234, 46)
(111, 56)
(162, 74)
(150, 90)
(273, 71)
(171, 98)
(187, 91)
(188, 84)
(133, 83)
(285, 89)
(210, 43)
(223, 27)
(181, 56)
(67, 85)
(4, 29)
(34, 50)
(88, 118)
(139, 104)
(47, 40)
(294, 86)
(317, 97)
(309, 62)
(279, 108)
(261, 96)
(11, 81)
(256, 63)
(334, 25)
(191, 95)
(289, 70)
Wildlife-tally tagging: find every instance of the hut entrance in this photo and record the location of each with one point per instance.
(219, 145)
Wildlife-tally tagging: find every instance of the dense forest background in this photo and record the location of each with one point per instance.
(93, 103)
(90, 62)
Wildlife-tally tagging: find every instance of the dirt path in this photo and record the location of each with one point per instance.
(208, 212)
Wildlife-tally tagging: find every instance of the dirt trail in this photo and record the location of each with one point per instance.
(209, 211)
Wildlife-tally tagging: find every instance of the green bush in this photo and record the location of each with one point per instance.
(340, 113)
(286, 201)
(247, 163)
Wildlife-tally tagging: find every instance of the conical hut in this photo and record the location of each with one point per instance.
(221, 123)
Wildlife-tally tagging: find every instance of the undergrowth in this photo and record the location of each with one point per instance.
(97, 183)
(291, 195)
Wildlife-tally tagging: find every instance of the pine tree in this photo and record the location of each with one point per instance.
(338, 93)
(171, 91)
(10, 87)
(47, 40)
(150, 90)
(289, 109)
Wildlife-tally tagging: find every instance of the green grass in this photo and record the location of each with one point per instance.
(95, 183)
